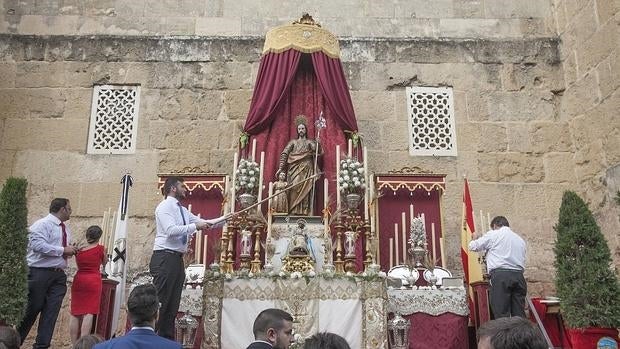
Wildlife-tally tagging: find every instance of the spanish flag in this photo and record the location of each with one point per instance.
(471, 266)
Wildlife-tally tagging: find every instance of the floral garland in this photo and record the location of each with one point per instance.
(247, 177)
(214, 274)
(351, 177)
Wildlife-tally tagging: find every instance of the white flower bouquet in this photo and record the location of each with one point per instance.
(351, 178)
(247, 177)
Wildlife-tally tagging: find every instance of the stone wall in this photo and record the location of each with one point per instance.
(590, 54)
(356, 18)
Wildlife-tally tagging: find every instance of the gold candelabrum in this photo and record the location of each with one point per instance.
(349, 228)
(248, 231)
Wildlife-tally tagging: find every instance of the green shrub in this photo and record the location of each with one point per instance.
(585, 280)
(13, 244)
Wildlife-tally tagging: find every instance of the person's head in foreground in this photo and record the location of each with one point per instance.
(274, 326)
(510, 333)
(326, 340)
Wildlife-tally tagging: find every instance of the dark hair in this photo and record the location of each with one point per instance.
(142, 305)
(326, 340)
(270, 318)
(9, 337)
(93, 233)
(57, 204)
(500, 221)
(170, 183)
(512, 333)
(87, 342)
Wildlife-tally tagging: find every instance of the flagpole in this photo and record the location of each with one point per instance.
(119, 252)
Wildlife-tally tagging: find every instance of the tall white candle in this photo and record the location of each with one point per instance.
(325, 193)
(484, 226)
(367, 192)
(391, 253)
(404, 231)
(205, 251)
(433, 242)
(337, 176)
(254, 150)
(396, 246)
(371, 188)
(350, 148)
(232, 185)
(197, 246)
(269, 213)
(189, 208)
(444, 263)
(260, 179)
(488, 219)
(410, 212)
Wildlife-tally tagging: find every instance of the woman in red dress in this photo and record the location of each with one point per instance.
(86, 287)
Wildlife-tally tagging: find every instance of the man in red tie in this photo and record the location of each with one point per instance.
(48, 250)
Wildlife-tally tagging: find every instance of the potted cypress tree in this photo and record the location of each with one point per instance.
(13, 244)
(586, 281)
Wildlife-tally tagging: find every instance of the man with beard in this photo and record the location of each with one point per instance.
(175, 226)
(273, 329)
(297, 160)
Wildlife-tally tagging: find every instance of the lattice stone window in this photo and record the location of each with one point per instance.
(114, 119)
(431, 121)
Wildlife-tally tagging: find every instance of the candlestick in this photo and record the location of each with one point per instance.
(489, 219)
(254, 150)
(404, 231)
(269, 213)
(260, 179)
(410, 212)
(337, 176)
(396, 242)
(483, 224)
(350, 148)
(433, 242)
(391, 253)
(205, 251)
(189, 208)
(232, 185)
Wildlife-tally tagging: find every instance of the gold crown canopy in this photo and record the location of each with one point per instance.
(304, 35)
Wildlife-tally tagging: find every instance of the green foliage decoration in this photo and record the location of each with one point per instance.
(586, 281)
(13, 245)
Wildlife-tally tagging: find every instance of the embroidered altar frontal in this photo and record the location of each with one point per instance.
(355, 309)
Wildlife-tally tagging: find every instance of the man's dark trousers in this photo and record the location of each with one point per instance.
(168, 273)
(46, 290)
(507, 294)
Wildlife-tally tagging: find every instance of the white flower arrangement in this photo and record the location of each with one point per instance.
(417, 233)
(351, 178)
(247, 177)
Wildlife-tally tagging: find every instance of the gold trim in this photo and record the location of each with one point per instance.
(192, 184)
(304, 35)
(413, 170)
(411, 186)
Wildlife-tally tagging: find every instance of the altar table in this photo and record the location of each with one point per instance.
(354, 309)
(439, 317)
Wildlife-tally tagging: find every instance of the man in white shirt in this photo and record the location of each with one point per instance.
(505, 255)
(48, 250)
(175, 226)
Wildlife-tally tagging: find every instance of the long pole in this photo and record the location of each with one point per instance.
(316, 159)
(276, 194)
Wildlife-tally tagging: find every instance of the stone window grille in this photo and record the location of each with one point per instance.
(431, 121)
(114, 119)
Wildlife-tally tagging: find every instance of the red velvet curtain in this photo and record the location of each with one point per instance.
(391, 206)
(315, 86)
(209, 205)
